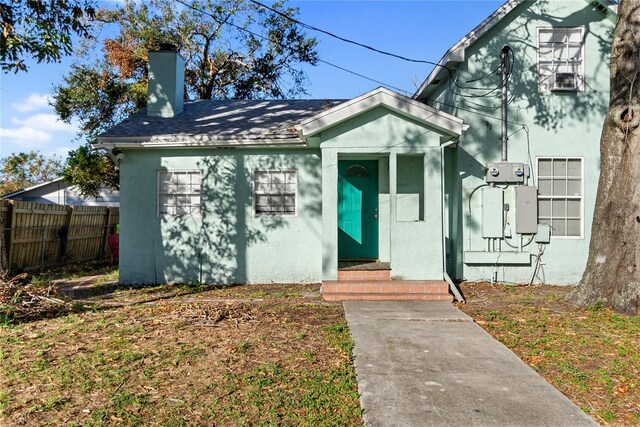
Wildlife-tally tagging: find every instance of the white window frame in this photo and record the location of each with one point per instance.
(255, 192)
(581, 68)
(547, 197)
(159, 214)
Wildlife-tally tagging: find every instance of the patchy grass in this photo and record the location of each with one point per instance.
(210, 357)
(590, 355)
(107, 271)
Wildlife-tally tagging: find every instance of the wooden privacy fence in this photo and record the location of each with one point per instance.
(39, 235)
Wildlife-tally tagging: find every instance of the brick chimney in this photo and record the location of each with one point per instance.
(165, 95)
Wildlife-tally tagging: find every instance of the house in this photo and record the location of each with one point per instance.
(383, 196)
(558, 98)
(59, 192)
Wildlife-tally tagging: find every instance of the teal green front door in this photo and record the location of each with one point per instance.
(358, 209)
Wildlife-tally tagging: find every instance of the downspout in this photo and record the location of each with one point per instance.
(452, 287)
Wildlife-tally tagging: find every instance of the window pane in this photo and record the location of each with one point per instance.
(574, 187)
(559, 208)
(574, 167)
(544, 208)
(261, 176)
(574, 35)
(559, 167)
(545, 51)
(573, 227)
(560, 51)
(545, 35)
(558, 227)
(574, 52)
(559, 187)
(544, 167)
(559, 36)
(573, 208)
(544, 186)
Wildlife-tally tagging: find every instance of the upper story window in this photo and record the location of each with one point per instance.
(560, 59)
(560, 195)
(275, 192)
(179, 192)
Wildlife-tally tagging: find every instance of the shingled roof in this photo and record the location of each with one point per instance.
(208, 122)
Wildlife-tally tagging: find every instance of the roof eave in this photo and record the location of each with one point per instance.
(456, 54)
(443, 122)
(148, 142)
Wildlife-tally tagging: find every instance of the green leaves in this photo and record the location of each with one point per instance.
(40, 29)
(90, 170)
(21, 170)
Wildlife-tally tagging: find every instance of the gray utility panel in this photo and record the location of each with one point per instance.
(492, 213)
(507, 173)
(526, 209)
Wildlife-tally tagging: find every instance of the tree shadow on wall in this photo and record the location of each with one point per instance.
(212, 247)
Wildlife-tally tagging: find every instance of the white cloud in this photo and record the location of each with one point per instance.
(24, 136)
(34, 102)
(45, 122)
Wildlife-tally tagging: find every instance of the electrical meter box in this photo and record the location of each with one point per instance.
(492, 213)
(526, 209)
(507, 173)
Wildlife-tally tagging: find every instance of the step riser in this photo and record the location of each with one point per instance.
(386, 290)
(386, 297)
(360, 276)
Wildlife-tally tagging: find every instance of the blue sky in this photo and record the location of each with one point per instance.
(416, 29)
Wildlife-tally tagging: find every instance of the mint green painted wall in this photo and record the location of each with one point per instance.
(414, 249)
(234, 246)
(165, 97)
(560, 124)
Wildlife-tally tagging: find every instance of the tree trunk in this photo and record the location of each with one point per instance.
(612, 274)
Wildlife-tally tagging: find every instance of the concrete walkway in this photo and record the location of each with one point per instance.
(428, 364)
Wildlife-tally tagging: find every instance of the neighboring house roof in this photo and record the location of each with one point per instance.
(456, 54)
(33, 187)
(446, 123)
(218, 123)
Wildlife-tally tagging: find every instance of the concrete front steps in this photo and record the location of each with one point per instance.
(376, 285)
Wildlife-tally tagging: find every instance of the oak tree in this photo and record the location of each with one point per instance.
(232, 49)
(612, 274)
(40, 30)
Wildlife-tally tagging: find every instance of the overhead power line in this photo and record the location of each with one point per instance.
(387, 53)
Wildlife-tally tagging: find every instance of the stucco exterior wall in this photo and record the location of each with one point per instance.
(226, 243)
(562, 124)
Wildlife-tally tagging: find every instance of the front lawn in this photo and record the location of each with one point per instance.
(247, 355)
(592, 355)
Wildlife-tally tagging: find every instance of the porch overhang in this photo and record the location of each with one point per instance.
(444, 123)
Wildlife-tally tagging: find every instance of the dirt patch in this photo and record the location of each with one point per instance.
(199, 357)
(591, 355)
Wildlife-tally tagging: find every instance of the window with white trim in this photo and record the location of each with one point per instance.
(275, 192)
(179, 192)
(560, 188)
(560, 59)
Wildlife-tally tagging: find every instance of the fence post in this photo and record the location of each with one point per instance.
(12, 232)
(67, 223)
(105, 232)
(5, 214)
(44, 233)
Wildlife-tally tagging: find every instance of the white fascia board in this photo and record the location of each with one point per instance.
(440, 120)
(133, 142)
(456, 54)
(33, 187)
